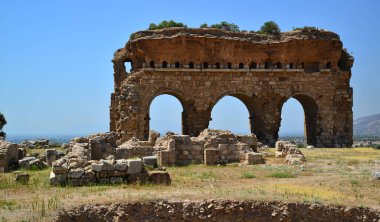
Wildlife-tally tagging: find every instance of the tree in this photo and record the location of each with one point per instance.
(271, 28)
(166, 24)
(226, 26)
(2, 124)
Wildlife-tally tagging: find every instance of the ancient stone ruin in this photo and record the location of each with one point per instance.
(98, 159)
(201, 66)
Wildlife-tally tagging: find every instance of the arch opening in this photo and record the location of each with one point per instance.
(217, 65)
(279, 65)
(164, 64)
(128, 66)
(177, 65)
(328, 65)
(205, 65)
(291, 65)
(229, 65)
(162, 119)
(151, 64)
(253, 65)
(299, 118)
(231, 112)
(191, 65)
(241, 66)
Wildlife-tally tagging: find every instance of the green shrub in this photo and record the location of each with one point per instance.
(306, 28)
(282, 174)
(204, 25)
(248, 175)
(166, 24)
(226, 26)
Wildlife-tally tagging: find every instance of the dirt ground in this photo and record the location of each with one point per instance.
(330, 176)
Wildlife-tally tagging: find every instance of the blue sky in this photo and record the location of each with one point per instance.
(56, 74)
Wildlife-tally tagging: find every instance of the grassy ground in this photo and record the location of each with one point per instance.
(333, 176)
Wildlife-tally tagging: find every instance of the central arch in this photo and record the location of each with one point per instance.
(179, 98)
(245, 99)
(310, 108)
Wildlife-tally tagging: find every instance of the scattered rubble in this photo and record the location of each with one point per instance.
(290, 152)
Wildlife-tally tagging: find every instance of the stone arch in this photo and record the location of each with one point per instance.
(205, 65)
(164, 64)
(245, 98)
(229, 65)
(177, 65)
(241, 65)
(191, 65)
(148, 101)
(151, 64)
(311, 109)
(217, 65)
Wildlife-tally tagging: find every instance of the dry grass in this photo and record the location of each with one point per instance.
(334, 176)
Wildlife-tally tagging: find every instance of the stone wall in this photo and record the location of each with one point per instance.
(199, 67)
(210, 147)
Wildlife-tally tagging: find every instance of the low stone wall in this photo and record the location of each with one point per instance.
(216, 210)
(210, 147)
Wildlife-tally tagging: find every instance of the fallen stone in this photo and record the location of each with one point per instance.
(57, 179)
(310, 147)
(295, 159)
(150, 160)
(376, 175)
(21, 177)
(134, 166)
(159, 177)
(51, 155)
(121, 165)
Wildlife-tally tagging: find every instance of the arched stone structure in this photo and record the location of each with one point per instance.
(263, 71)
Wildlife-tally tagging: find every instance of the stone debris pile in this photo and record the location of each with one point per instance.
(290, 152)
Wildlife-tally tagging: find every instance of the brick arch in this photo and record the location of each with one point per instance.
(148, 99)
(311, 114)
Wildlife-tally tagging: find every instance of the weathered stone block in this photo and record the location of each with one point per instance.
(121, 165)
(134, 166)
(57, 179)
(253, 158)
(159, 177)
(75, 173)
(150, 160)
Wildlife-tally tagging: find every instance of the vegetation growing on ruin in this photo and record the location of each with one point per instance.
(306, 28)
(3, 122)
(166, 24)
(270, 28)
(223, 26)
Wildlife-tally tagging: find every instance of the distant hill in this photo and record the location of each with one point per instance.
(367, 126)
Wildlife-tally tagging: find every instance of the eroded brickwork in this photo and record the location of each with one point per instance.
(201, 66)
